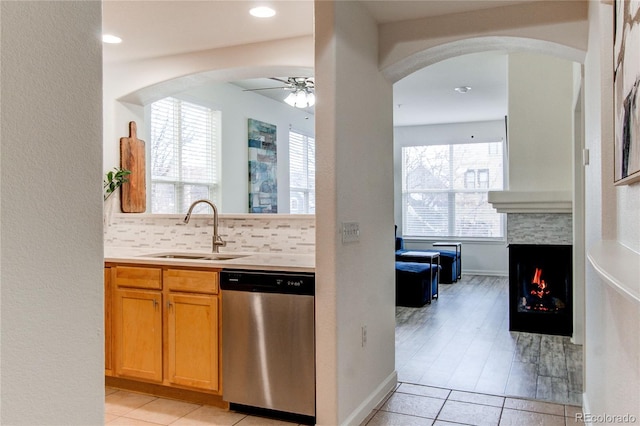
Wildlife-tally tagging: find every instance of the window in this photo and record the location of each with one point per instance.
(444, 190)
(470, 179)
(302, 171)
(183, 152)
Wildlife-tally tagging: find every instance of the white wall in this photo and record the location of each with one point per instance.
(489, 258)
(237, 107)
(52, 344)
(354, 183)
(540, 123)
(612, 335)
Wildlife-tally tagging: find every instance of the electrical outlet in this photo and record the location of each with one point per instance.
(350, 232)
(364, 336)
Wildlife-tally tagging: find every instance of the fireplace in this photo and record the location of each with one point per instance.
(540, 284)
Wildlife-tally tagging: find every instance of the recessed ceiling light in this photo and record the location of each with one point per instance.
(462, 89)
(111, 39)
(262, 12)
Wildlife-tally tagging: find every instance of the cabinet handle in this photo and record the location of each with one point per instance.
(168, 304)
(155, 303)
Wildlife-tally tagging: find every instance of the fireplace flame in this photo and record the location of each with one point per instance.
(542, 287)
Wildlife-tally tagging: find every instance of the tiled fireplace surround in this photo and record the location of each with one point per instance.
(243, 233)
(540, 240)
(539, 228)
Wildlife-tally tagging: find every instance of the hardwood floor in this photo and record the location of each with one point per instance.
(462, 342)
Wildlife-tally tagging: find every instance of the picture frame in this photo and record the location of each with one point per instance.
(626, 82)
(263, 160)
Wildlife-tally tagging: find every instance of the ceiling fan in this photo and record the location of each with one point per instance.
(301, 89)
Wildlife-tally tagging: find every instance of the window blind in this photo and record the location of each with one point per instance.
(302, 170)
(445, 187)
(183, 151)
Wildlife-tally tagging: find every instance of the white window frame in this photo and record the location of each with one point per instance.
(308, 191)
(451, 192)
(214, 125)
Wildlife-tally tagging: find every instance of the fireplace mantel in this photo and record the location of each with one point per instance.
(531, 201)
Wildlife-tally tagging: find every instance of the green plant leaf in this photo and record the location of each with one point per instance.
(113, 181)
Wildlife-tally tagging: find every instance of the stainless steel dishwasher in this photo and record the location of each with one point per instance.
(268, 341)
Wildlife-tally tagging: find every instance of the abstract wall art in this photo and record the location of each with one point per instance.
(626, 80)
(263, 188)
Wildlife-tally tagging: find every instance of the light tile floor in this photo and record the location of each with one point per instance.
(134, 409)
(418, 405)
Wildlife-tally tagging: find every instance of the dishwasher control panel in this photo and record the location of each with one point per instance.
(268, 281)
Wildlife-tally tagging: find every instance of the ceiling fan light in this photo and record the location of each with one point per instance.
(311, 99)
(291, 99)
(301, 99)
(301, 95)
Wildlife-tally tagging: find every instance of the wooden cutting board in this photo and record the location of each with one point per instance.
(132, 153)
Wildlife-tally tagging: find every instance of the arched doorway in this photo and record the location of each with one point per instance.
(514, 46)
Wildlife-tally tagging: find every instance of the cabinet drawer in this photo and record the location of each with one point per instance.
(139, 277)
(193, 281)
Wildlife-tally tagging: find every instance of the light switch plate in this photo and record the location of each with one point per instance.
(350, 232)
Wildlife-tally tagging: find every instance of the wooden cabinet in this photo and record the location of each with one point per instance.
(138, 334)
(193, 340)
(167, 326)
(138, 277)
(108, 309)
(192, 328)
(193, 281)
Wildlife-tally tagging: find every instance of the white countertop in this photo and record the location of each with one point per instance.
(249, 261)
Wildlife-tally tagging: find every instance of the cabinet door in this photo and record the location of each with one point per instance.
(193, 340)
(108, 362)
(138, 334)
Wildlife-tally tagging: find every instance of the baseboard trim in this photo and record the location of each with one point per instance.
(586, 409)
(358, 415)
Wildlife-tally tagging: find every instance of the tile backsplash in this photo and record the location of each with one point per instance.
(243, 233)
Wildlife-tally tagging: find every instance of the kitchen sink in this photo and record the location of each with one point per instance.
(195, 256)
(224, 256)
(176, 256)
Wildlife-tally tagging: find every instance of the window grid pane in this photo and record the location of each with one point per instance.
(301, 173)
(444, 190)
(184, 141)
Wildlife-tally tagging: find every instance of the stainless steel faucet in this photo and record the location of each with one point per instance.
(217, 241)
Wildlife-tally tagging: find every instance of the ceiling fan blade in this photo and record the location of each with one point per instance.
(266, 88)
(280, 80)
